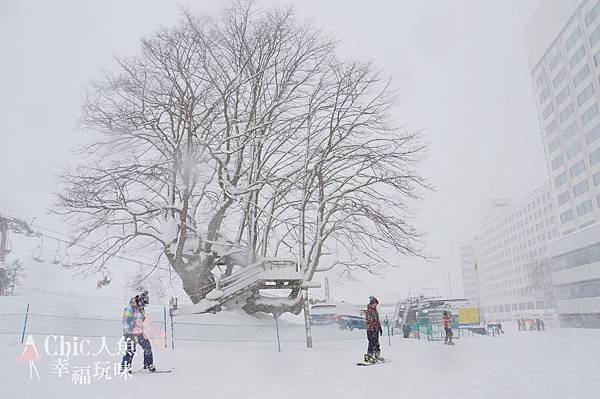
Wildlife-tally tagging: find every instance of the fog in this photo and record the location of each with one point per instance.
(459, 66)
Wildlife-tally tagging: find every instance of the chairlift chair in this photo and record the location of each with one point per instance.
(56, 259)
(105, 281)
(36, 254)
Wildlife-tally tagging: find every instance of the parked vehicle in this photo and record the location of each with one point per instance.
(345, 315)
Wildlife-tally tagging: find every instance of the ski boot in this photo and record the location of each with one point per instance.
(369, 359)
(150, 368)
(126, 369)
(379, 358)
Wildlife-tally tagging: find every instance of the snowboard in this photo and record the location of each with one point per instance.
(372, 364)
(158, 371)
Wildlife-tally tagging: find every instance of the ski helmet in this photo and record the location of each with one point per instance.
(374, 300)
(143, 298)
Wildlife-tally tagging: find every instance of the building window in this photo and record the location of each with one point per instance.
(596, 179)
(573, 149)
(545, 94)
(597, 58)
(580, 289)
(585, 94)
(595, 156)
(557, 161)
(567, 112)
(554, 144)
(592, 14)
(577, 168)
(563, 198)
(570, 130)
(581, 75)
(541, 79)
(572, 39)
(551, 127)
(566, 216)
(580, 188)
(579, 257)
(559, 77)
(548, 111)
(554, 61)
(592, 135)
(577, 56)
(594, 36)
(584, 208)
(589, 113)
(562, 95)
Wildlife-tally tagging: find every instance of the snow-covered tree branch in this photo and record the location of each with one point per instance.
(242, 131)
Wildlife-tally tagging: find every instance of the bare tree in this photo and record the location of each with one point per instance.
(10, 276)
(539, 276)
(241, 137)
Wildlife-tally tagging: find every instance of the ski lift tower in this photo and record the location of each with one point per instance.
(3, 239)
(3, 249)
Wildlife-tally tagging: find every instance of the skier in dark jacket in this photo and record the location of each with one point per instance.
(134, 316)
(374, 330)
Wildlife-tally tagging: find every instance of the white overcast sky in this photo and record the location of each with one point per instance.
(460, 67)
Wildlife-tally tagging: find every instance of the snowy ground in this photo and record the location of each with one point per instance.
(554, 364)
(233, 355)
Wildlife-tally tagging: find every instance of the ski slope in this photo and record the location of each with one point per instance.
(234, 355)
(560, 363)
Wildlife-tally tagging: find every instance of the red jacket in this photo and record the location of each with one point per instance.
(372, 318)
(446, 319)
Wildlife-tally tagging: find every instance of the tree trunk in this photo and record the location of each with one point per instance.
(196, 276)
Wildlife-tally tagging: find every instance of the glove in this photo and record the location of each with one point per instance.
(380, 331)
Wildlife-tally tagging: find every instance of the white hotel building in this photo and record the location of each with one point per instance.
(563, 46)
(512, 236)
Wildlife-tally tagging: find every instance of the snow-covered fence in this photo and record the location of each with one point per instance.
(161, 329)
(32, 323)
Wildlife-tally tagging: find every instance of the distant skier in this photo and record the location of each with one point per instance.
(406, 330)
(133, 331)
(499, 328)
(447, 329)
(374, 330)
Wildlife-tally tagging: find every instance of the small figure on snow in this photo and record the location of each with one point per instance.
(374, 330)
(499, 328)
(133, 331)
(406, 330)
(447, 329)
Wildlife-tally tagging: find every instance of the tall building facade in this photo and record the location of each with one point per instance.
(468, 264)
(564, 68)
(563, 45)
(509, 245)
(512, 240)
